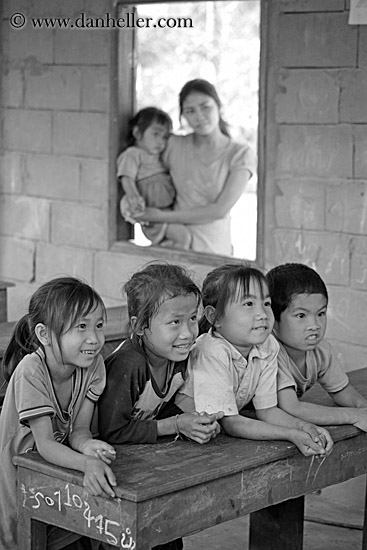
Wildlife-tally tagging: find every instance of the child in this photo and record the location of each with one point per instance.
(236, 362)
(299, 302)
(145, 371)
(144, 179)
(56, 374)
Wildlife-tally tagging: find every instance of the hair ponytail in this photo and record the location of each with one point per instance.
(22, 343)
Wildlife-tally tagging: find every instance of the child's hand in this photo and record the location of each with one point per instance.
(200, 427)
(99, 449)
(98, 478)
(306, 444)
(319, 435)
(136, 205)
(361, 422)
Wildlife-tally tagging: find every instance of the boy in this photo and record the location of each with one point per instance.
(299, 302)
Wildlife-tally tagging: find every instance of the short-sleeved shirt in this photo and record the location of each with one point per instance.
(138, 164)
(198, 183)
(321, 366)
(221, 379)
(30, 394)
(132, 401)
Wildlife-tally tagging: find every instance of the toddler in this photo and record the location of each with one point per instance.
(145, 180)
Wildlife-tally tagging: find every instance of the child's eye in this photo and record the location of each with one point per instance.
(100, 325)
(322, 313)
(267, 303)
(248, 303)
(175, 322)
(300, 315)
(194, 318)
(82, 326)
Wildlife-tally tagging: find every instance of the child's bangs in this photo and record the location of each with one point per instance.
(239, 287)
(87, 302)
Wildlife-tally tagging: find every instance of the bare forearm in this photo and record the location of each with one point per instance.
(61, 455)
(239, 426)
(349, 397)
(324, 416)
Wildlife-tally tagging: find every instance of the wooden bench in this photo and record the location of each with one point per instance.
(174, 489)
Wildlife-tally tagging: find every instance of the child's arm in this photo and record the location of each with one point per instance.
(135, 200)
(200, 427)
(98, 477)
(240, 426)
(81, 438)
(324, 416)
(349, 397)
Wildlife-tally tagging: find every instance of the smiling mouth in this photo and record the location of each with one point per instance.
(312, 337)
(88, 352)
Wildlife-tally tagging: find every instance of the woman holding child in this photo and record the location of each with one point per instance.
(209, 172)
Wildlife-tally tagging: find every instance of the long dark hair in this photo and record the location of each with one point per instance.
(224, 284)
(57, 304)
(203, 87)
(148, 288)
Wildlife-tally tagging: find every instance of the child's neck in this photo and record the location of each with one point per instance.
(297, 356)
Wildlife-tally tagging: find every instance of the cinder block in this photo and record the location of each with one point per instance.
(28, 45)
(95, 89)
(94, 186)
(353, 103)
(53, 177)
(12, 172)
(348, 315)
(79, 226)
(328, 253)
(346, 207)
(309, 96)
(360, 144)
(25, 217)
(43, 8)
(53, 88)
(17, 259)
(315, 151)
(57, 261)
(362, 59)
(317, 40)
(83, 46)
(311, 5)
(18, 299)
(300, 204)
(81, 134)
(359, 263)
(12, 86)
(112, 271)
(27, 130)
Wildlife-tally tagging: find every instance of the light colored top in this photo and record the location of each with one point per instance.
(198, 183)
(30, 394)
(221, 379)
(138, 164)
(321, 366)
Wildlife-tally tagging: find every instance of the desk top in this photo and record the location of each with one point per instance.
(146, 471)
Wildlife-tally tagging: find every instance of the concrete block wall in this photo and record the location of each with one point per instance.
(57, 128)
(316, 158)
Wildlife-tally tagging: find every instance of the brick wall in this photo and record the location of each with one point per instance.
(316, 157)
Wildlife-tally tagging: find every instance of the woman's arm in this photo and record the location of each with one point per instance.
(231, 192)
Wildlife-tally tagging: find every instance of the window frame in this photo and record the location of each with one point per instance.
(123, 105)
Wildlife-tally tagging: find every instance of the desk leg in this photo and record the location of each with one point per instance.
(364, 540)
(32, 535)
(278, 527)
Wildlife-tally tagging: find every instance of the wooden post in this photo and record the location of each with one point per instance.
(278, 527)
(3, 301)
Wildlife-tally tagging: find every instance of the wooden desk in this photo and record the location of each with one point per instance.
(170, 489)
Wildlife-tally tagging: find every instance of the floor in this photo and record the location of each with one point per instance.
(334, 519)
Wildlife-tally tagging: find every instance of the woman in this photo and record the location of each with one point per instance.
(209, 172)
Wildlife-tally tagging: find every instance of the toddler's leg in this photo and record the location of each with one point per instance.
(178, 236)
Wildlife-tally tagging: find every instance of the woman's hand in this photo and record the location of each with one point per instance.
(99, 449)
(200, 427)
(98, 478)
(150, 215)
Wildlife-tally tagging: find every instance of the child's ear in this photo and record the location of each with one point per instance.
(42, 334)
(136, 132)
(209, 313)
(133, 320)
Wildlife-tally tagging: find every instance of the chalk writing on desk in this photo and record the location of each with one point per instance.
(64, 498)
